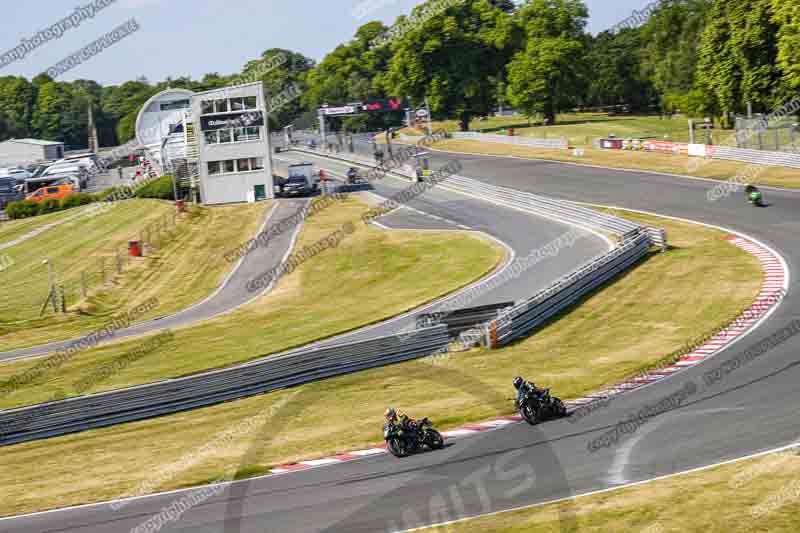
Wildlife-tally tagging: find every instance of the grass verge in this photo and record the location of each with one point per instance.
(619, 330)
(14, 229)
(755, 495)
(180, 268)
(656, 162)
(372, 275)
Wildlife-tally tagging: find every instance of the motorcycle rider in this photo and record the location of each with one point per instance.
(352, 173)
(523, 387)
(753, 194)
(405, 423)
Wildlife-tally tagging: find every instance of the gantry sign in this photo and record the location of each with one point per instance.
(371, 106)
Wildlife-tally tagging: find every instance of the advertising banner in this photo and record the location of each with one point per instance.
(341, 110)
(698, 150)
(232, 120)
(665, 146)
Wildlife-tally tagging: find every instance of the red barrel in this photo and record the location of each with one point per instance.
(510, 132)
(134, 249)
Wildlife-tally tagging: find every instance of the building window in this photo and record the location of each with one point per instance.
(231, 166)
(235, 135)
(246, 134)
(220, 106)
(237, 104)
(228, 105)
(225, 136)
(175, 104)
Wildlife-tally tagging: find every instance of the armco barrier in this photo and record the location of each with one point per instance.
(760, 157)
(533, 313)
(304, 365)
(558, 143)
(634, 242)
(564, 211)
(209, 388)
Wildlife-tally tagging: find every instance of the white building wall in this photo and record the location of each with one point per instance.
(235, 187)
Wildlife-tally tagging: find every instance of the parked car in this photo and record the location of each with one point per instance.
(17, 173)
(8, 192)
(56, 192)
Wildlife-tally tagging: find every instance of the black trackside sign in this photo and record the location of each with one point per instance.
(232, 120)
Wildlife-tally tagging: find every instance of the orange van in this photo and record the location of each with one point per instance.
(56, 192)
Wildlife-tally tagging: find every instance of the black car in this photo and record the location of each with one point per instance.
(8, 192)
(298, 186)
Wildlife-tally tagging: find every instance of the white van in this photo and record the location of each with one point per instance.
(62, 165)
(81, 176)
(58, 169)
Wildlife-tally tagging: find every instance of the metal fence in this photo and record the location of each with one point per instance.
(209, 388)
(110, 263)
(779, 135)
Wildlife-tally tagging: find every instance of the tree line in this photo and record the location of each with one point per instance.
(468, 57)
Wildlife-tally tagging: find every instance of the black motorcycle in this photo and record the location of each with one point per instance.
(352, 176)
(402, 441)
(535, 408)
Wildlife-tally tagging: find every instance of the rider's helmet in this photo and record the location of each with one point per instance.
(518, 381)
(390, 414)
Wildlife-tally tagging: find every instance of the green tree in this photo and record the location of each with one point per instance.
(283, 73)
(17, 103)
(671, 42)
(52, 107)
(786, 14)
(738, 53)
(454, 57)
(545, 77)
(614, 74)
(352, 72)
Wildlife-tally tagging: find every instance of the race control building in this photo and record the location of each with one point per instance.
(216, 141)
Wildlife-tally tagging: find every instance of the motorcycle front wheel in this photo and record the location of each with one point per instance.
(559, 408)
(396, 447)
(530, 416)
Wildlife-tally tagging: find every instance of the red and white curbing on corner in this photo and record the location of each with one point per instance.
(469, 429)
(772, 288)
(771, 292)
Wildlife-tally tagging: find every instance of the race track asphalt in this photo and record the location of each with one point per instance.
(751, 409)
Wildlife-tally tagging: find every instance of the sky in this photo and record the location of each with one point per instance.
(194, 37)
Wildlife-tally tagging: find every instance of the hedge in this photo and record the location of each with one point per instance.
(49, 205)
(22, 209)
(160, 188)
